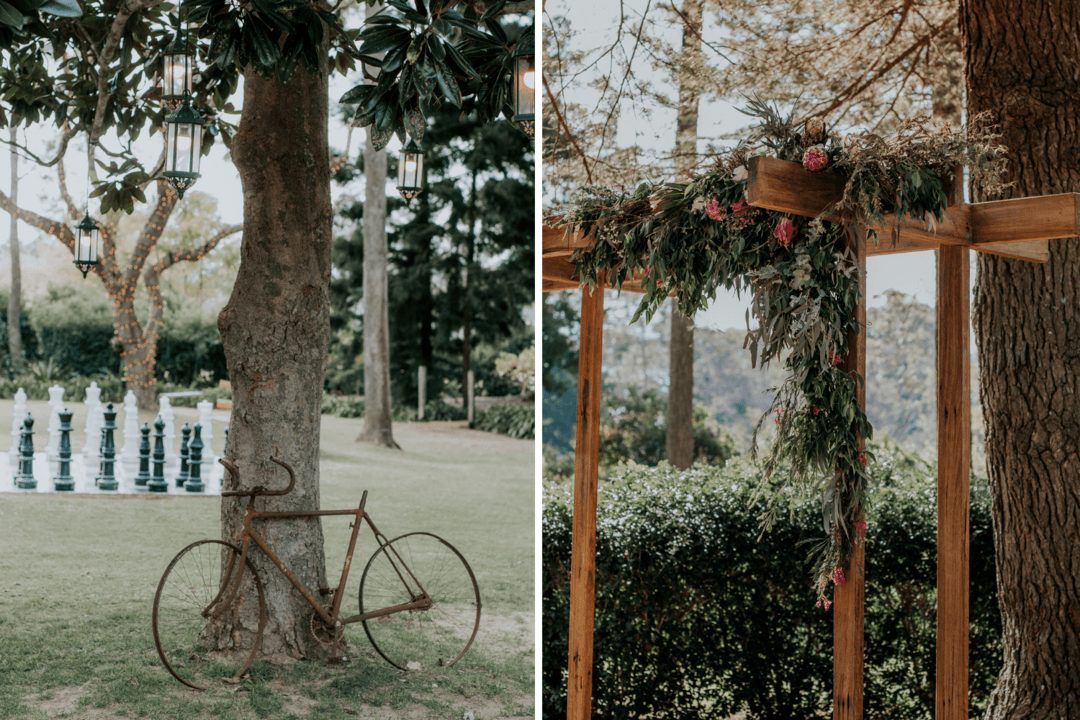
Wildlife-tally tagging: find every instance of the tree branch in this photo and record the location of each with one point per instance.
(152, 276)
(566, 129)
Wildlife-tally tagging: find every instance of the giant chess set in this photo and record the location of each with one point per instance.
(111, 453)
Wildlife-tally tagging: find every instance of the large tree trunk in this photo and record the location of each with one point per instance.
(276, 329)
(467, 303)
(378, 408)
(1024, 66)
(680, 407)
(138, 352)
(14, 329)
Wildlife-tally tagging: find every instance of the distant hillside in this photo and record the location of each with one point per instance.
(900, 375)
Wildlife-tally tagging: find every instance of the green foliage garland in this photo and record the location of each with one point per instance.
(686, 240)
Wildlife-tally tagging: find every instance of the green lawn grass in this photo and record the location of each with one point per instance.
(78, 573)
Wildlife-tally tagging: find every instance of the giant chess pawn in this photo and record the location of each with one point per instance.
(94, 419)
(129, 456)
(185, 468)
(56, 404)
(194, 482)
(143, 476)
(18, 414)
(24, 478)
(165, 411)
(63, 481)
(157, 479)
(206, 420)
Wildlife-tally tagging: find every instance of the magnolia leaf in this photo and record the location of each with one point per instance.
(416, 123)
(61, 8)
(380, 138)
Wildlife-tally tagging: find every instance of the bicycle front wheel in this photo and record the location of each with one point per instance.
(187, 595)
(420, 566)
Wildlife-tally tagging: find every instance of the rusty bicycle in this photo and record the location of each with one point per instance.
(419, 602)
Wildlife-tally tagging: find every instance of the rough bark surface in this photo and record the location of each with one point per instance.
(1023, 65)
(378, 406)
(680, 407)
(14, 330)
(276, 329)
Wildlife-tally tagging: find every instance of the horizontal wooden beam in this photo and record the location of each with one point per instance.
(563, 240)
(1018, 228)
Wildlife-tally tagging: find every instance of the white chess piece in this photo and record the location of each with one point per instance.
(210, 466)
(18, 414)
(172, 459)
(95, 418)
(129, 455)
(56, 404)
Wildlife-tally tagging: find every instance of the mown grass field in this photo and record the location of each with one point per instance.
(78, 573)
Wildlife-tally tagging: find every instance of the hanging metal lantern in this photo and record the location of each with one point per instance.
(410, 172)
(176, 74)
(87, 236)
(183, 138)
(525, 91)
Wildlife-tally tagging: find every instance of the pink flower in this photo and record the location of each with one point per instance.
(838, 575)
(860, 524)
(836, 358)
(784, 231)
(817, 411)
(824, 602)
(862, 458)
(815, 158)
(712, 209)
(739, 205)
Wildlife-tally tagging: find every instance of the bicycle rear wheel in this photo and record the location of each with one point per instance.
(402, 571)
(186, 595)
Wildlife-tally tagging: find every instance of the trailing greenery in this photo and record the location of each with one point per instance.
(701, 615)
(513, 419)
(686, 240)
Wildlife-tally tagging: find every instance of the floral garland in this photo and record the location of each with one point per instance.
(686, 240)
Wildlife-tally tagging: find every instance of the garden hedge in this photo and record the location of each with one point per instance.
(701, 614)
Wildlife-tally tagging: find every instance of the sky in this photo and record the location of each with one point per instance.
(594, 26)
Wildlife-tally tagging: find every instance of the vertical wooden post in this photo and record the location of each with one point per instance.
(470, 396)
(421, 396)
(848, 598)
(586, 476)
(954, 468)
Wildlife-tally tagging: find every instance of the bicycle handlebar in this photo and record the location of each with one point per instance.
(258, 490)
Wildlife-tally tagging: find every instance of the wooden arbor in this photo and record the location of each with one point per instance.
(1020, 229)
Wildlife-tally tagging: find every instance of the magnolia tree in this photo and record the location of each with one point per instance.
(275, 327)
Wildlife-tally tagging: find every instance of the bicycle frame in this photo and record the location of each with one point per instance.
(420, 600)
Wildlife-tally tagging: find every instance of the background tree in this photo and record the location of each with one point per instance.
(427, 262)
(377, 396)
(1021, 67)
(14, 321)
(680, 403)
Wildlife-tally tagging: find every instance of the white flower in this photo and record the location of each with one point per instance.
(740, 173)
(699, 204)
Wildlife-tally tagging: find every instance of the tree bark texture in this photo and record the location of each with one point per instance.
(680, 407)
(378, 406)
(14, 330)
(276, 330)
(138, 348)
(1023, 65)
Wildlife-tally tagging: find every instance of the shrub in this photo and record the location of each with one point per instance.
(74, 330)
(701, 615)
(190, 351)
(513, 419)
(634, 429)
(342, 406)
